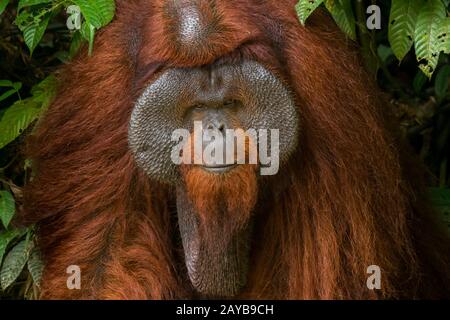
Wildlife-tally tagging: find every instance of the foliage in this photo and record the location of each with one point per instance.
(424, 23)
(34, 19)
(36, 36)
(34, 15)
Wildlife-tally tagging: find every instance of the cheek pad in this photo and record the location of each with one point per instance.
(151, 125)
(267, 104)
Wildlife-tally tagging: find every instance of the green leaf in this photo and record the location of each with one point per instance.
(304, 8)
(7, 207)
(342, 13)
(62, 56)
(22, 113)
(34, 32)
(444, 35)
(419, 81)
(402, 23)
(427, 30)
(384, 52)
(35, 266)
(14, 262)
(88, 33)
(44, 91)
(7, 94)
(16, 86)
(3, 4)
(5, 238)
(75, 44)
(16, 119)
(23, 19)
(29, 3)
(442, 82)
(6, 83)
(97, 13)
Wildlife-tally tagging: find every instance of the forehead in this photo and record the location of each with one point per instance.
(197, 32)
(191, 23)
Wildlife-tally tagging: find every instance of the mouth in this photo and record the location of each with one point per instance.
(219, 168)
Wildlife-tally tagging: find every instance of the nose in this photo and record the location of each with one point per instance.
(212, 87)
(214, 102)
(215, 120)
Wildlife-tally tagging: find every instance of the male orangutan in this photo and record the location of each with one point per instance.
(108, 198)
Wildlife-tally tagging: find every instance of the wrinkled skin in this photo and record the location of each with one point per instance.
(240, 95)
(167, 104)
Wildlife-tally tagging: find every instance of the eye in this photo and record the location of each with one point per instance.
(232, 103)
(198, 107)
(229, 103)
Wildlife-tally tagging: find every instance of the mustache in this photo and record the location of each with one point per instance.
(223, 202)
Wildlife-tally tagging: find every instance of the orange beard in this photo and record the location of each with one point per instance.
(223, 202)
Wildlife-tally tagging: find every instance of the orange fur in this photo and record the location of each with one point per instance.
(351, 197)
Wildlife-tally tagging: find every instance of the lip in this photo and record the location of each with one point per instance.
(221, 168)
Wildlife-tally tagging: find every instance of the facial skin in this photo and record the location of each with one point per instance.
(215, 207)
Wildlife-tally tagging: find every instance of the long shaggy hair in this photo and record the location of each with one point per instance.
(351, 197)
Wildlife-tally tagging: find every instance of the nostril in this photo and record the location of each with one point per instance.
(217, 126)
(228, 103)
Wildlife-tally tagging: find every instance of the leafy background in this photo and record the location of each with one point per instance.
(409, 57)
